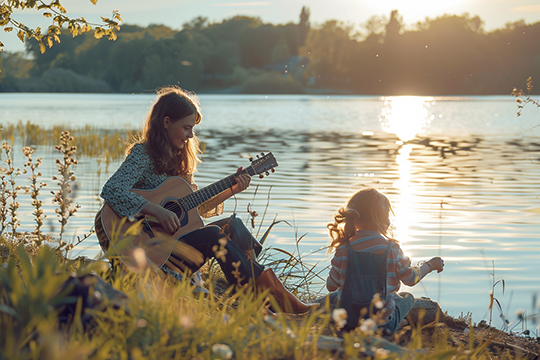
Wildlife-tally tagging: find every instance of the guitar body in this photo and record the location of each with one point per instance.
(147, 233)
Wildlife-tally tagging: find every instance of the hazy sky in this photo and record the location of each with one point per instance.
(174, 13)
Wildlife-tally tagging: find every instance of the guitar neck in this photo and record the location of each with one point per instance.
(198, 197)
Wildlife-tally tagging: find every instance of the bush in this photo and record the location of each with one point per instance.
(62, 80)
(271, 83)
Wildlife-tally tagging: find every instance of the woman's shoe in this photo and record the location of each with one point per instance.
(287, 302)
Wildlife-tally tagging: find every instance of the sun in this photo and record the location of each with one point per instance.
(417, 10)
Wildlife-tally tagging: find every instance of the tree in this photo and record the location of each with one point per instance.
(57, 13)
(394, 26)
(303, 25)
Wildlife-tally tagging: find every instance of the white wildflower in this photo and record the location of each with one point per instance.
(382, 353)
(140, 258)
(377, 302)
(368, 326)
(186, 321)
(340, 317)
(222, 351)
(291, 333)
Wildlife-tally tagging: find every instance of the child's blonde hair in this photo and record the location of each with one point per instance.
(367, 208)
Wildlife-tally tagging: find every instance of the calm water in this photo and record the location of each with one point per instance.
(462, 174)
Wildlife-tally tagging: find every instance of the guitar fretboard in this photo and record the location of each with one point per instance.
(198, 197)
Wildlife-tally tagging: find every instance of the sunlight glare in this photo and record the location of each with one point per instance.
(416, 10)
(405, 116)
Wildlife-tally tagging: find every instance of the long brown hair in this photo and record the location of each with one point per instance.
(176, 103)
(367, 208)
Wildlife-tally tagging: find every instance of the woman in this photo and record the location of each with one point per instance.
(363, 225)
(168, 147)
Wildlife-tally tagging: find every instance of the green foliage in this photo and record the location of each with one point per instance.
(270, 83)
(442, 56)
(200, 56)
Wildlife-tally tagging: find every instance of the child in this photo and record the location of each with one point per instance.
(168, 147)
(364, 223)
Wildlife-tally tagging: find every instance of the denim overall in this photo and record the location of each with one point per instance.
(366, 275)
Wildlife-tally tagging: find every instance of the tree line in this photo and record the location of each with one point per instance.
(448, 55)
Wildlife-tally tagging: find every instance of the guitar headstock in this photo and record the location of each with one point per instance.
(262, 165)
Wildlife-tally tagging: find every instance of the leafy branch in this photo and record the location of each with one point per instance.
(57, 13)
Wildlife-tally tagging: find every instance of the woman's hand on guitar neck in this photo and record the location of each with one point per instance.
(166, 218)
(242, 182)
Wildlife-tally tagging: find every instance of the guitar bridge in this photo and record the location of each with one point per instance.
(147, 228)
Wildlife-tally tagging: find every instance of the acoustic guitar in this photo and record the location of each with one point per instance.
(175, 194)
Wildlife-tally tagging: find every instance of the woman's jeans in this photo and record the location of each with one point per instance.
(195, 248)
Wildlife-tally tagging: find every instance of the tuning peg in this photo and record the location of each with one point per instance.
(267, 173)
(251, 158)
(261, 176)
(273, 170)
(262, 154)
(257, 156)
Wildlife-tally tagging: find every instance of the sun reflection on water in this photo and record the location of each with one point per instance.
(404, 209)
(405, 116)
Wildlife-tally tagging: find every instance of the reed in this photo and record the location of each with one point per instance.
(90, 141)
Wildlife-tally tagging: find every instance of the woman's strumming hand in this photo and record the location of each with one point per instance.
(166, 218)
(437, 264)
(242, 181)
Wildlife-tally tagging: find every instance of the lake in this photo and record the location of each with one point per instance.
(462, 172)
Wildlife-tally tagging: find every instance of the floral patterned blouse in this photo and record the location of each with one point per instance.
(137, 171)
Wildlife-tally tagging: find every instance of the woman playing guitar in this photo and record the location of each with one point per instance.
(168, 147)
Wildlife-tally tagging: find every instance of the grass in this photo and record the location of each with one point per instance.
(65, 308)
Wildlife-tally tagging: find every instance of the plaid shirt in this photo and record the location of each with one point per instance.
(399, 265)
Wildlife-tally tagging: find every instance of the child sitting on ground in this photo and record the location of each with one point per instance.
(364, 223)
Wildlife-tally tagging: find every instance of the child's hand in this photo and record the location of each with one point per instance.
(437, 264)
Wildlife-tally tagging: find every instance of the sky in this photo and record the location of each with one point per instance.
(174, 13)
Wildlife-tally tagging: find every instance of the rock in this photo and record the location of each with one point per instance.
(426, 311)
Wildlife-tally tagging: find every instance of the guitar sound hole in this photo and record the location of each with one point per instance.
(175, 207)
